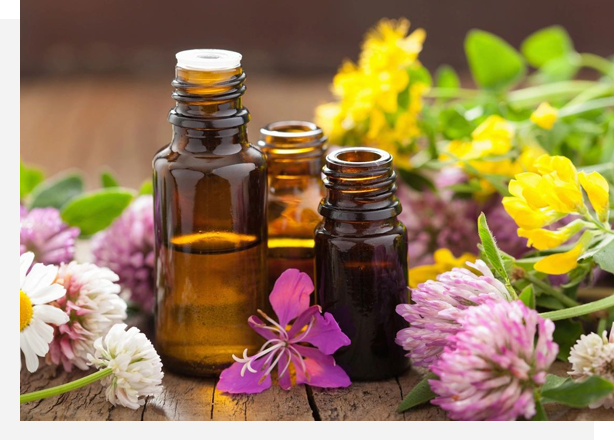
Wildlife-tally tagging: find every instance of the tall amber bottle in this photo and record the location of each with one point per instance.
(294, 151)
(210, 219)
(361, 260)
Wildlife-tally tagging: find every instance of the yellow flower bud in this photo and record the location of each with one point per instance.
(561, 165)
(545, 116)
(444, 261)
(598, 190)
(565, 262)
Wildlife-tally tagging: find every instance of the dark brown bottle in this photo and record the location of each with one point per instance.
(210, 219)
(361, 260)
(294, 152)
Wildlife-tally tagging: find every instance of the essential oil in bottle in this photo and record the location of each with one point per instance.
(361, 260)
(210, 219)
(294, 151)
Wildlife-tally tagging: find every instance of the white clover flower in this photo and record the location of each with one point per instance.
(593, 355)
(93, 305)
(36, 291)
(136, 367)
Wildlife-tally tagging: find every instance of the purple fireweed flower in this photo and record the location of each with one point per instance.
(45, 234)
(500, 357)
(127, 248)
(287, 344)
(437, 306)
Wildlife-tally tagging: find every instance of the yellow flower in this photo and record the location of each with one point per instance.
(527, 217)
(545, 116)
(330, 119)
(543, 239)
(565, 262)
(598, 190)
(494, 136)
(444, 261)
(561, 165)
(387, 47)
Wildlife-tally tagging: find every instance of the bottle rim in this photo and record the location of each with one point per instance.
(305, 129)
(370, 157)
(208, 59)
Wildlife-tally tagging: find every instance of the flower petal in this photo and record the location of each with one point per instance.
(321, 369)
(258, 326)
(40, 276)
(31, 358)
(290, 295)
(232, 382)
(47, 294)
(326, 335)
(50, 314)
(25, 261)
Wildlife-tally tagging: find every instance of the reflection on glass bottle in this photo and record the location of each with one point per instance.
(361, 260)
(210, 219)
(294, 151)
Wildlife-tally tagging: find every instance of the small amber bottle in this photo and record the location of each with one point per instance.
(210, 219)
(361, 260)
(294, 151)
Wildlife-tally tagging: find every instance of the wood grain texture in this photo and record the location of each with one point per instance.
(187, 398)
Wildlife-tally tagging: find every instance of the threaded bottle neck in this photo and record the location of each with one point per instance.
(360, 185)
(293, 147)
(208, 99)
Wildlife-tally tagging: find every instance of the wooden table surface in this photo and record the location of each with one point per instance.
(119, 123)
(188, 398)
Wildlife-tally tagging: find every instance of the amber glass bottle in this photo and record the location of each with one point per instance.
(361, 260)
(294, 151)
(210, 219)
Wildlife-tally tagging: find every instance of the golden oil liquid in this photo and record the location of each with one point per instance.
(286, 253)
(203, 312)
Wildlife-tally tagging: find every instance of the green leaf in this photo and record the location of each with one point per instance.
(494, 64)
(57, 191)
(605, 258)
(545, 45)
(548, 302)
(29, 178)
(419, 394)
(566, 333)
(108, 180)
(146, 188)
(446, 78)
(554, 381)
(453, 123)
(579, 394)
(94, 211)
(527, 296)
(584, 309)
(492, 252)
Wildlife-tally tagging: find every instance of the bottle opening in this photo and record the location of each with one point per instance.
(291, 129)
(208, 59)
(359, 157)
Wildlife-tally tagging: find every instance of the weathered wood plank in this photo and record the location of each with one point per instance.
(273, 404)
(87, 403)
(183, 398)
(362, 401)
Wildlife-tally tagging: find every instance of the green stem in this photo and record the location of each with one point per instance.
(584, 309)
(61, 389)
(442, 92)
(569, 302)
(586, 106)
(596, 62)
(534, 95)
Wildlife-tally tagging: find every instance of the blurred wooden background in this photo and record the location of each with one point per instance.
(96, 75)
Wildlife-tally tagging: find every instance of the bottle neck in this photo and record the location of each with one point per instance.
(215, 141)
(293, 148)
(360, 185)
(209, 105)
